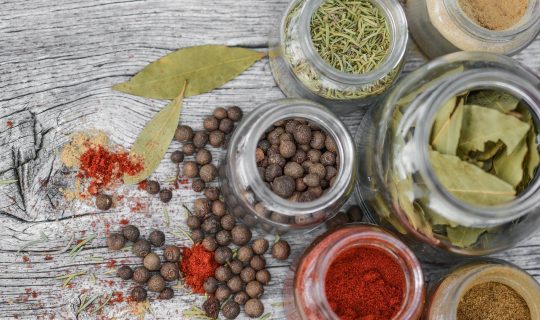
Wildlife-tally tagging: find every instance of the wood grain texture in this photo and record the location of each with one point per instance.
(58, 60)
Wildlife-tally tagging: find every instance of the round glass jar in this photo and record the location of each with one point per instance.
(301, 72)
(304, 289)
(249, 197)
(446, 295)
(397, 183)
(440, 27)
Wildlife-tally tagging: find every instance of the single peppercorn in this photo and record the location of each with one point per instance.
(281, 250)
(124, 272)
(165, 195)
(193, 222)
(103, 202)
(312, 180)
(230, 310)
(208, 172)
(302, 134)
(166, 294)
(152, 187)
(197, 235)
(226, 125)
(287, 149)
(141, 248)
(248, 274)
(216, 138)
(138, 294)
(211, 307)
(116, 241)
(218, 208)
(330, 172)
(330, 144)
(317, 140)
(177, 156)
(172, 253)
(189, 149)
(276, 159)
(272, 172)
(241, 235)
(241, 298)
(156, 283)
(203, 157)
(222, 255)
(263, 276)
(283, 186)
(200, 139)
(223, 238)
(211, 123)
(260, 246)
(191, 169)
(300, 156)
(212, 193)
(257, 263)
(151, 262)
(236, 266)
(201, 207)
(169, 271)
(254, 289)
(141, 275)
(245, 253)
(234, 113)
(220, 113)
(198, 185)
(328, 159)
(156, 238)
(183, 134)
(210, 243)
(210, 285)
(314, 155)
(293, 170)
(254, 308)
(131, 233)
(210, 225)
(228, 222)
(235, 284)
(222, 293)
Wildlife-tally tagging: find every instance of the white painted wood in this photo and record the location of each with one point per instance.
(58, 60)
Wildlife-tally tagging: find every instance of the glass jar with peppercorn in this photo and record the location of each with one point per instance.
(451, 156)
(348, 266)
(291, 164)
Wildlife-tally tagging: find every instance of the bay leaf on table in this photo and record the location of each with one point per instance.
(205, 67)
(464, 237)
(481, 125)
(469, 183)
(155, 138)
(509, 167)
(496, 99)
(447, 127)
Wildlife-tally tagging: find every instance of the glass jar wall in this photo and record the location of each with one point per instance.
(251, 199)
(440, 27)
(301, 72)
(397, 180)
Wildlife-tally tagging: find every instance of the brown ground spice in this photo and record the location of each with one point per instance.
(495, 14)
(492, 301)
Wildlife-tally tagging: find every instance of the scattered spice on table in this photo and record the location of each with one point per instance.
(495, 14)
(197, 265)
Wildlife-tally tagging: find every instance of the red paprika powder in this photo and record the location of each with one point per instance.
(365, 283)
(197, 265)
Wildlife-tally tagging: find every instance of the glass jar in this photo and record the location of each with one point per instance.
(301, 72)
(446, 295)
(441, 26)
(249, 197)
(397, 184)
(304, 288)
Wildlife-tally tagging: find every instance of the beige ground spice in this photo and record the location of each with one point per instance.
(495, 14)
(492, 301)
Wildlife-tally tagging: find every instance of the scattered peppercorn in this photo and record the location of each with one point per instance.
(222, 293)
(208, 172)
(223, 254)
(210, 243)
(254, 289)
(172, 253)
(141, 248)
(210, 285)
(254, 308)
(257, 263)
(235, 284)
(141, 275)
(263, 276)
(183, 134)
(191, 169)
(236, 266)
(211, 307)
(156, 238)
(197, 235)
(216, 138)
(152, 187)
(220, 113)
(200, 139)
(223, 238)
(131, 233)
(169, 271)
(201, 207)
(115, 241)
(124, 272)
(166, 294)
(151, 262)
(228, 222)
(241, 235)
(210, 225)
(193, 222)
(234, 113)
(138, 294)
(165, 195)
(218, 208)
(103, 202)
(241, 298)
(245, 253)
(226, 125)
(203, 157)
(230, 310)
(177, 156)
(156, 283)
(211, 123)
(212, 193)
(260, 246)
(281, 250)
(189, 149)
(248, 274)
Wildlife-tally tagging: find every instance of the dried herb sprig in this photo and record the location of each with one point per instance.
(68, 277)
(80, 246)
(86, 301)
(196, 313)
(42, 238)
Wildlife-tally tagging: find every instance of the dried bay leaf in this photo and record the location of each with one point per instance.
(464, 237)
(469, 183)
(509, 167)
(484, 124)
(155, 138)
(491, 149)
(447, 129)
(205, 67)
(496, 99)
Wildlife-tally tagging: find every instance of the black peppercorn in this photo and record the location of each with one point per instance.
(254, 308)
(220, 113)
(165, 195)
(241, 298)
(293, 170)
(172, 253)
(260, 246)
(197, 235)
(236, 266)
(210, 285)
(254, 289)
(191, 169)
(223, 238)
(138, 294)
(235, 284)
(314, 155)
(300, 186)
(273, 136)
(141, 275)
(203, 157)
(218, 208)
(230, 310)
(330, 173)
(234, 113)
(152, 187)
(166, 294)
(263, 145)
(177, 156)
(223, 254)
(283, 186)
(208, 172)
(257, 263)
(197, 185)
(156, 238)
(169, 271)
(211, 123)
(226, 125)
(141, 248)
(189, 149)
(211, 307)
(276, 159)
(124, 272)
(299, 157)
(116, 241)
(248, 274)
(193, 222)
(200, 139)
(131, 232)
(201, 207)
(287, 149)
(212, 193)
(216, 138)
(328, 159)
(222, 293)
(183, 134)
(263, 276)
(330, 144)
(317, 140)
(245, 253)
(156, 283)
(228, 222)
(302, 134)
(281, 250)
(272, 172)
(312, 180)
(210, 225)
(103, 202)
(151, 262)
(210, 243)
(240, 235)
(318, 169)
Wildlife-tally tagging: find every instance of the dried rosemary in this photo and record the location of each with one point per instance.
(351, 36)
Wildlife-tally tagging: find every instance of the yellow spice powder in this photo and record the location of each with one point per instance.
(495, 15)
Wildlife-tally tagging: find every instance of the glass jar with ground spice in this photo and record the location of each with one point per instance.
(485, 289)
(290, 164)
(451, 156)
(355, 272)
(343, 54)
(444, 26)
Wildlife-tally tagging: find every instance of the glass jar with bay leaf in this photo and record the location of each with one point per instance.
(261, 182)
(343, 54)
(451, 156)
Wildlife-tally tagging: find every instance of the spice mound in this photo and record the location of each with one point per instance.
(495, 14)
(492, 300)
(197, 265)
(365, 283)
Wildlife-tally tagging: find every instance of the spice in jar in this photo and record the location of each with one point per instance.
(494, 14)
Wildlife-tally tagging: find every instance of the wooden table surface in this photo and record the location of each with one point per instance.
(58, 61)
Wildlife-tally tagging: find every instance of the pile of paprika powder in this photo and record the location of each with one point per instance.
(197, 265)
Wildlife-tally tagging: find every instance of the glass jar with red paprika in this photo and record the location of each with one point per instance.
(354, 272)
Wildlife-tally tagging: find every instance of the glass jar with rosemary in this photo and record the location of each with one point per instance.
(451, 156)
(342, 53)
